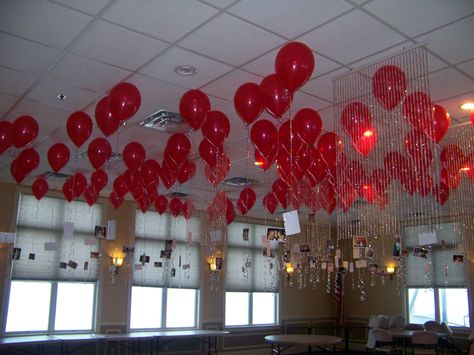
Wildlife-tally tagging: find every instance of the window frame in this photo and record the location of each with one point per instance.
(436, 302)
(164, 304)
(52, 310)
(250, 324)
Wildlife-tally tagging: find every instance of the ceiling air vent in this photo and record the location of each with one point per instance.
(240, 181)
(176, 194)
(114, 157)
(165, 121)
(51, 175)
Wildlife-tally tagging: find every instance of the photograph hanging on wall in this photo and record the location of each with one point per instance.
(100, 231)
(359, 242)
(277, 234)
(396, 247)
(420, 252)
(457, 258)
(16, 253)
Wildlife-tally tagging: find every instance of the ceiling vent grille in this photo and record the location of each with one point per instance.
(177, 194)
(165, 121)
(240, 181)
(52, 175)
(115, 157)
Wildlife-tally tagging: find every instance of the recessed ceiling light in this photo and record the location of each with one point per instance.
(62, 97)
(185, 70)
(468, 106)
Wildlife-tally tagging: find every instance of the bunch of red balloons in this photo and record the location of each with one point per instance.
(221, 207)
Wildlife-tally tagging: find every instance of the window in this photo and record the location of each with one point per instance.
(57, 268)
(251, 277)
(166, 273)
(436, 284)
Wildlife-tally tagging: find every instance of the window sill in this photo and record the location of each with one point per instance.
(244, 328)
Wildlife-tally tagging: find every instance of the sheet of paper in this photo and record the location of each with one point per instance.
(91, 240)
(291, 222)
(361, 264)
(427, 238)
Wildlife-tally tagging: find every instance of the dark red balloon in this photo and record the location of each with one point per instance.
(91, 195)
(356, 119)
(58, 156)
(294, 65)
(99, 180)
(124, 101)
(176, 207)
(115, 199)
(209, 152)
(417, 110)
(99, 151)
(288, 139)
(216, 127)
(68, 190)
(79, 184)
(307, 125)
(6, 136)
(275, 96)
(188, 170)
(29, 160)
(178, 148)
(248, 198)
(24, 131)
(161, 204)
(133, 180)
(270, 202)
(40, 188)
(264, 137)
(79, 127)
(439, 125)
(329, 146)
(133, 155)
(193, 107)
(106, 121)
(265, 163)
(248, 102)
(120, 186)
(150, 172)
(280, 189)
(16, 171)
(389, 85)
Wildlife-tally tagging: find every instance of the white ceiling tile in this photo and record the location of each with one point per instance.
(51, 115)
(41, 21)
(13, 82)
(417, 17)
(322, 86)
(447, 83)
(451, 42)
(76, 99)
(279, 16)
(226, 86)
(165, 19)
(221, 4)
(117, 46)
(93, 75)
(468, 67)
(6, 102)
(231, 40)
(327, 116)
(302, 100)
(25, 55)
(163, 68)
(89, 6)
(351, 37)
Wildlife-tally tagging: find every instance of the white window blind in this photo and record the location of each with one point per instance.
(41, 222)
(182, 268)
(248, 270)
(438, 269)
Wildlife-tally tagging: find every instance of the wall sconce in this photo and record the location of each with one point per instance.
(289, 269)
(116, 263)
(391, 271)
(215, 263)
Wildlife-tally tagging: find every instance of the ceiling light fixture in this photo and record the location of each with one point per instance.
(468, 106)
(185, 70)
(62, 97)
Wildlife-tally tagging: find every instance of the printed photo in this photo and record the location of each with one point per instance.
(32, 256)
(158, 264)
(420, 252)
(16, 253)
(396, 247)
(165, 254)
(86, 265)
(305, 247)
(369, 253)
(277, 234)
(95, 255)
(312, 262)
(62, 265)
(219, 263)
(100, 231)
(127, 249)
(266, 252)
(359, 242)
(457, 258)
(245, 234)
(72, 264)
(144, 259)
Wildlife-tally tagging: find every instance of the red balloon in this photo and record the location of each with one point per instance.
(417, 109)
(219, 172)
(242, 207)
(40, 188)
(288, 139)
(468, 167)
(6, 135)
(327, 196)
(120, 186)
(270, 202)
(176, 207)
(265, 163)
(356, 119)
(264, 137)
(248, 102)
(79, 184)
(440, 124)
(143, 204)
(161, 204)
(133, 155)
(329, 146)
(178, 148)
(307, 125)
(107, 122)
(417, 147)
(275, 96)
(229, 212)
(29, 160)
(91, 195)
(288, 168)
(451, 179)
(16, 171)
(366, 142)
(441, 193)
(193, 107)
(188, 170)
(115, 199)
(79, 127)
(167, 176)
(280, 189)
(380, 180)
(188, 208)
(316, 172)
(294, 65)
(452, 157)
(216, 127)
(99, 151)
(389, 85)
(99, 180)
(58, 156)
(124, 101)
(394, 163)
(24, 131)
(68, 190)
(133, 180)
(209, 152)
(248, 197)
(150, 172)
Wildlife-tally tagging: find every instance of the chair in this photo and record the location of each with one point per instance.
(382, 321)
(424, 342)
(396, 321)
(434, 326)
(384, 342)
(413, 326)
(447, 342)
(373, 322)
(370, 346)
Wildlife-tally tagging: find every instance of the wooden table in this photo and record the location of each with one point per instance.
(282, 342)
